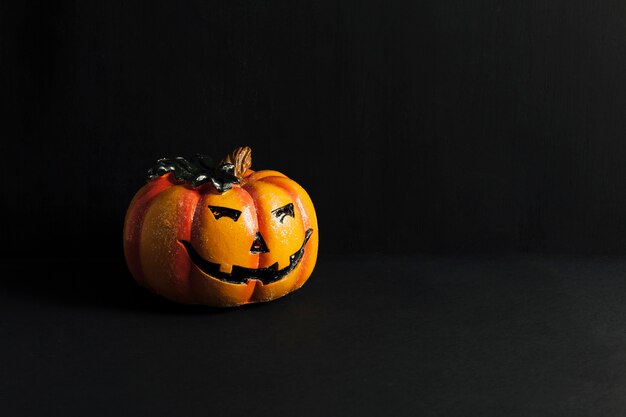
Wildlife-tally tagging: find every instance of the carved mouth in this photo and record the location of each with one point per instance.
(241, 274)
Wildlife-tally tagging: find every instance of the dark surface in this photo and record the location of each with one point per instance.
(416, 126)
(432, 336)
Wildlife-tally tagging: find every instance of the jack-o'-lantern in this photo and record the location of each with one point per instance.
(220, 235)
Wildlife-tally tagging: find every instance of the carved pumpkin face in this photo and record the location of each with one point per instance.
(221, 243)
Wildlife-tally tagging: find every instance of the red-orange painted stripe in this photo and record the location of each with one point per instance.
(184, 221)
(134, 221)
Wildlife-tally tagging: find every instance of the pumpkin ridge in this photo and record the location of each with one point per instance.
(164, 222)
(294, 196)
(187, 222)
(133, 222)
(308, 222)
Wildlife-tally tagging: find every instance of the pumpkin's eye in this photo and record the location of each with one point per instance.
(283, 211)
(219, 212)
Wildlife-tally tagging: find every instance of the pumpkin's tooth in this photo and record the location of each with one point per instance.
(225, 268)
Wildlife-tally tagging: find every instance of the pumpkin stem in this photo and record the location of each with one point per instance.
(241, 158)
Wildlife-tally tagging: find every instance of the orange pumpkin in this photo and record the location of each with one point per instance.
(221, 236)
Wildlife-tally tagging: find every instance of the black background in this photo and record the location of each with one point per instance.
(466, 161)
(415, 126)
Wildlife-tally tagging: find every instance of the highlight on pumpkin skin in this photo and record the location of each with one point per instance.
(220, 236)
